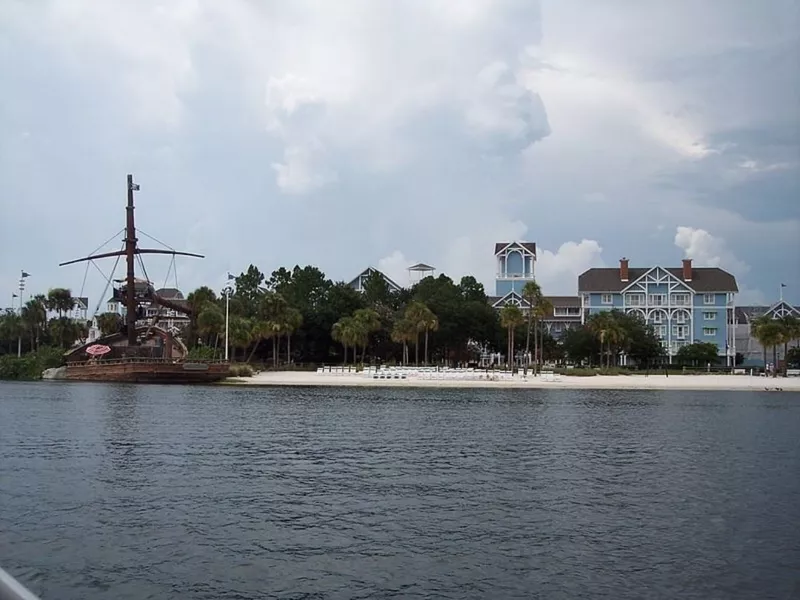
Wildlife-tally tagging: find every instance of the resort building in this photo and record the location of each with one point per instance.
(80, 312)
(744, 341)
(168, 319)
(358, 283)
(515, 267)
(685, 304)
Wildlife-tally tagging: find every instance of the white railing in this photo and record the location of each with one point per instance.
(11, 589)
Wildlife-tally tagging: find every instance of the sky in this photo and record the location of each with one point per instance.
(362, 132)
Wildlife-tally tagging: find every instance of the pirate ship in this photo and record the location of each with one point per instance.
(141, 351)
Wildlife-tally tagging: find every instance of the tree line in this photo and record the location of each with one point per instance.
(301, 316)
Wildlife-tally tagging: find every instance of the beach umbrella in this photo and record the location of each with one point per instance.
(97, 350)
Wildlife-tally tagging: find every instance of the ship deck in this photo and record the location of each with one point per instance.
(149, 370)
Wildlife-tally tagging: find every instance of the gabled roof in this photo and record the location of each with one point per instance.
(501, 301)
(704, 279)
(564, 301)
(368, 271)
(170, 293)
(420, 267)
(529, 246)
(81, 302)
(746, 314)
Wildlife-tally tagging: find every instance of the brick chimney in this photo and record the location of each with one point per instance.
(623, 269)
(687, 269)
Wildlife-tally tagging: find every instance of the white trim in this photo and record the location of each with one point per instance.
(661, 276)
(512, 295)
(713, 299)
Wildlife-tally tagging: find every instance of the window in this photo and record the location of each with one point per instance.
(709, 316)
(658, 299)
(709, 331)
(708, 298)
(635, 299)
(657, 317)
(606, 299)
(566, 311)
(680, 317)
(680, 331)
(680, 299)
(661, 331)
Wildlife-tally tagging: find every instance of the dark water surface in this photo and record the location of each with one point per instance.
(126, 492)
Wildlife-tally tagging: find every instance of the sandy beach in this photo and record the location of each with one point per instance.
(598, 382)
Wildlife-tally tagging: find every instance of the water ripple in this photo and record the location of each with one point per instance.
(131, 492)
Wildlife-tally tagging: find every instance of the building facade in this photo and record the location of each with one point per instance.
(750, 348)
(358, 282)
(685, 304)
(515, 267)
(168, 319)
(515, 263)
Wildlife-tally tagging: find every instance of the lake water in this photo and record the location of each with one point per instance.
(132, 492)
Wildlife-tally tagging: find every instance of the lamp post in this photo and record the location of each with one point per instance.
(23, 276)
(227, 290)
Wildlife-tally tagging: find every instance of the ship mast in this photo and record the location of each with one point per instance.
(130, 251)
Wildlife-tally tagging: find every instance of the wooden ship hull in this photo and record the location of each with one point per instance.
(148, 371)
(158, 357)
(140, 352)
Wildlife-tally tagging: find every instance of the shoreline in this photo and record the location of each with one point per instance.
(596, 382)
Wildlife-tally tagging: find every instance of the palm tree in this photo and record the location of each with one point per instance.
(532, 293)
(768, 332)
(210, 323)
(240, 332)
(603, 325)
(403, 332)
(511, 317)
(543, 308)
(34, 318)
(109, 323)
(344, 331)
(424, 320)
(790, 331)
(292, 320)
(60, 300)
(365, 321)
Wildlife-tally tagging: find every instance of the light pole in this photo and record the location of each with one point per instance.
(227, 290)
(22, 278)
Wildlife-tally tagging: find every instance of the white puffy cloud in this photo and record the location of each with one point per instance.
(557, 272)
(706, 250)
(395, 267)
(303, 169)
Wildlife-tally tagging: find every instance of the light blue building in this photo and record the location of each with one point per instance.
(685, 304)
(515, 267)
(516, 263)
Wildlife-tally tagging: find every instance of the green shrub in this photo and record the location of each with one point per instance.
(29, 367)
(201, 353)
(241, 370)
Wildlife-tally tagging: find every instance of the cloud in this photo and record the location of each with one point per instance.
(395, 267)
(557, 272)
(303, 169)
(705, 250)
(434, 129)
